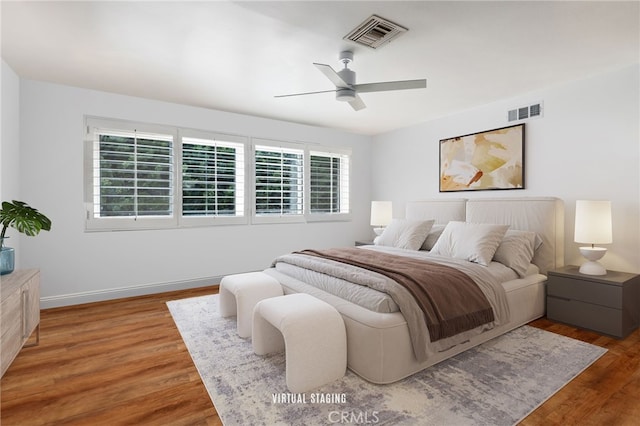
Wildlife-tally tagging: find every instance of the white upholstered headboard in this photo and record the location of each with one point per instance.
(542, 215)
(442, 211)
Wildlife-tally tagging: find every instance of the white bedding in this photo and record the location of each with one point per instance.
(375, 300)
(364, 296)
(498, 270)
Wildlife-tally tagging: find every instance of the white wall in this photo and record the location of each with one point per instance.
(79, 266)
(587, 146)
(10, 147)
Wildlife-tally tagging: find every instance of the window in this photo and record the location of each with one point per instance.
(133, 181)
(212, 177)
(135, 174)
(293, 183)
(147, 176)
(130, 170)
(279, 183)
(329, 183)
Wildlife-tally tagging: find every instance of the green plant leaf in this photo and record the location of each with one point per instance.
(24, 218)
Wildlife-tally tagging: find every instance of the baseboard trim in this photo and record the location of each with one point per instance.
(122, 292)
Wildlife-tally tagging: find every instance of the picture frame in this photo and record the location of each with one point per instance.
(487, 160)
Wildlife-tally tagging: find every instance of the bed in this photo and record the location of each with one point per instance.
(380, 345)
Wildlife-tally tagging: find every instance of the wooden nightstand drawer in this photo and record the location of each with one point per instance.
(585, 291)
(594, 317)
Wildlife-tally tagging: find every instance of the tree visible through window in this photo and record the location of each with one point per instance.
(135, 175)
(279, 181)
(329, 182)
(212, 178)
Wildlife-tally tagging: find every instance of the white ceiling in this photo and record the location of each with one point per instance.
(235, 56)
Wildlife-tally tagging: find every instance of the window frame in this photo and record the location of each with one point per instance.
(121, 223)
(277, 218)
(213, 220)
(333, 153)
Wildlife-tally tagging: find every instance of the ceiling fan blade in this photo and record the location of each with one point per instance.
(332, 75)
(357, 104)
(306, 93)
(390, 85)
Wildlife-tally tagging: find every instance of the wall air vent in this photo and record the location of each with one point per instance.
(375, 32)
(522, 113)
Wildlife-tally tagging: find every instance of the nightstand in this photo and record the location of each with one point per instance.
(608, 304)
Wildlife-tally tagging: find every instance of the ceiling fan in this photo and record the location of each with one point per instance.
(346, 88)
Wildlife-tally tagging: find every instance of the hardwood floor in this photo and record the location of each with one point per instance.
(124, 362)
(606, 393)
(117, 362)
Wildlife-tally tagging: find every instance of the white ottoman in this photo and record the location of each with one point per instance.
(312, 333)
(239, 294)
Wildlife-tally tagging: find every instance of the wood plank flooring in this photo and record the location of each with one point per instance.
(606, 393)
(124, 362)
(108, 363)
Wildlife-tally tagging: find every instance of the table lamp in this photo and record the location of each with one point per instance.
(593, 226)
(381, 212)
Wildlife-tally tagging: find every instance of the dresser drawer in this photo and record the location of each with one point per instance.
(585, 291)
(11, 328)
(586, 315)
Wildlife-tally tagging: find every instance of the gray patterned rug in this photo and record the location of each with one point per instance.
(497, 383)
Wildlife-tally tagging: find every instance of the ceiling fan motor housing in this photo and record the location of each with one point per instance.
(346, 94)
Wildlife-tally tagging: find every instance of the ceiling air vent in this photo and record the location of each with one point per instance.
(375, 31)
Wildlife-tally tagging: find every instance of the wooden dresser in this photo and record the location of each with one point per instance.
(20, 310)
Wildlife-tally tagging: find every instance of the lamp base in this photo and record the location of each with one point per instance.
(378, 231)
(592, 266)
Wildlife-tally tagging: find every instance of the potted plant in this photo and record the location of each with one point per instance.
(24, 218)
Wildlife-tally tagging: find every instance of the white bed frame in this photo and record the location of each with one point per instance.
(378, 344)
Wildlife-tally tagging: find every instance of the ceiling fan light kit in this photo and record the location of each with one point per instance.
(346, 95)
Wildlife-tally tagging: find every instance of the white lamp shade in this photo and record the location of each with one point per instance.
(593, 222)
(381, 212)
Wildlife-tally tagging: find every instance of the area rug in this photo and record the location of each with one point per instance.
(497, 383)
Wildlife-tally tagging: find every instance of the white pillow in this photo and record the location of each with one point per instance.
(432, 237)
(405, 233)
(475, 242)
(516, 250)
